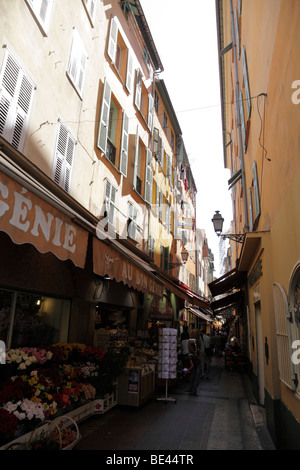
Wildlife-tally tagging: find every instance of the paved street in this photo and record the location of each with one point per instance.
(223, 416)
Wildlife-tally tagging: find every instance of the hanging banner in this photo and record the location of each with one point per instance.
(26, 218)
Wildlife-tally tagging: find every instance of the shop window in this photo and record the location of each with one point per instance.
(41, 10)
(16, 94)
(77, 63)
(64, 158)
(32, 320)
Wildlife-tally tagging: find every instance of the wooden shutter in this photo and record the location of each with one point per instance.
(148, 177)
(112, 42)
(256, 191)
(150, 111)
(124, 145)
(64, 158)
(77, 62)
(104, 118)
(138, 89)
(246, 82)
(136, 160)
(16, 93)
(129, 74)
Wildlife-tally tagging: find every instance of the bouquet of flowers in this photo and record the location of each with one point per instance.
(25, 410)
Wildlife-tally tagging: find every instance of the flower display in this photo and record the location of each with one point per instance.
(25, 410)
(8, 423)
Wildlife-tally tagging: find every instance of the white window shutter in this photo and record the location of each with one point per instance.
(148, 177)
(150, 110)
(129, 74)
(104, 117)
(138, 89)
(77, 62)
(112, 42)
(64, 158)
(136, 161)
(16, 93)
(124, 145)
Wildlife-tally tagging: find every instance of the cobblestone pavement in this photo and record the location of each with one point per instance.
(222, 417)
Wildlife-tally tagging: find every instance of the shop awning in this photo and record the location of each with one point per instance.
(115, 261)
(232, 280)
(200, 314)
(226, 303)
(29, 218)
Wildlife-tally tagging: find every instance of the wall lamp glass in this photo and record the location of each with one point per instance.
(217, 221)
(184, 257)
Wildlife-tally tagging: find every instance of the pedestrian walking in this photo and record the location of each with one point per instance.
(206, 353)
(195, 369)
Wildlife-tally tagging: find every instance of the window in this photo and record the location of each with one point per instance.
(77, 63)
(148, 177)
(120, 56)
(165, 124)
(164, 258)
(16, 94)
(113, 132)
(41, 10)
(110, 202)
(151, 246)
(144, 101)
(132, 227)
(64, 158)
(90, 6)
(31, 319)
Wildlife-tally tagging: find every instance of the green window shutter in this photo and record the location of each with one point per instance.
(104, 118)
(246, 81)
(124, 145)
(112, 42)
(256, 191)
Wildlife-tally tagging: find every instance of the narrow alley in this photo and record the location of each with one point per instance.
(224, 416)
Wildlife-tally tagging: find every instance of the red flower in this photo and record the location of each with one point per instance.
(8, 422)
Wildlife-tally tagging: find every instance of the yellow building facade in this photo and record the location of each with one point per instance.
(260, 112)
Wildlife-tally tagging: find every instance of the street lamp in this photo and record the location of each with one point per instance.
(184, 257)
(217, 221)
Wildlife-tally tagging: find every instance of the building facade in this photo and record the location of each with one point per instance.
(260, 112)
(90, 175)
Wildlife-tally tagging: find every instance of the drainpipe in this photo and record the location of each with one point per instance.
(241, 151)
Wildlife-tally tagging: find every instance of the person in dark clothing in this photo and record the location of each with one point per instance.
(195, 370)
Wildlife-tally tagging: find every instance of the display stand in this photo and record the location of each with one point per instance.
(167, 359)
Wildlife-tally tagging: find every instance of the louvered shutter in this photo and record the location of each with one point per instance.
(41, 9)
(77, 62)
(246, 81)
(16, 93)
(90, 6)
(157, 200)
(242, 118)
(124, 145)
(129, 74)
(138, 89)
(104, 118)
(256, 191)
(136, 160)
(150, 111)
(148, 177)
(112, 42)
(64, 158)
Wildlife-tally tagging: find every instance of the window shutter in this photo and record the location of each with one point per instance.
(124, 145)
(250, 209)
(148, 177)
(242, 118)
(16, 93)
(256, 191)
(136, 161)
(112, 42)
(90, 6)
(150, 111)
(41, 9)
(157, 200)
(246, 81)
(166, 258)
(138, 89)
(77, 62)
(64, 158)
(129, 74)
(104, 118)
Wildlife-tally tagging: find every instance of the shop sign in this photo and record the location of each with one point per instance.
(28, 219)
(111, 262)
